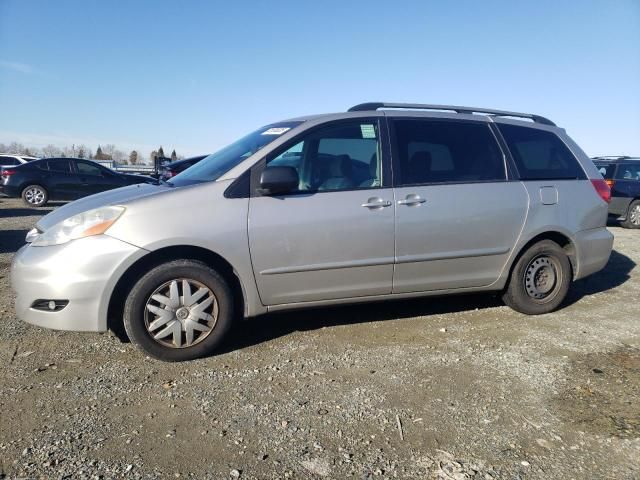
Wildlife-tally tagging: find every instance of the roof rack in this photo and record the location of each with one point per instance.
(363, 107)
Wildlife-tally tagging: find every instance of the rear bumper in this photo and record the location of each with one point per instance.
(83, 272)
(593, 248)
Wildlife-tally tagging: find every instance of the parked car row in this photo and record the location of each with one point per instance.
(39, 181)
(622, 174)
(385, 201)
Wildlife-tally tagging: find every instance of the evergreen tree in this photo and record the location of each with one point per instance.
(161, 152)
(133, 157)
(174, 156)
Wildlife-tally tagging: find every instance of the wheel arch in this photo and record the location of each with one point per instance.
(165, 254)
(562, 239)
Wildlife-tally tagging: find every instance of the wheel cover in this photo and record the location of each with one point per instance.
(542, 278)
(34, 195)
(634, 215)
(181, 313)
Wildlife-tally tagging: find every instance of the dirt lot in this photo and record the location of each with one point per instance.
(438, 388)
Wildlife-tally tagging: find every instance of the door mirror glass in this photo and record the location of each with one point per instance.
(278, 180)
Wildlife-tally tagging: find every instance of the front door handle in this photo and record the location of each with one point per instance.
(412, 199)
(376, 202)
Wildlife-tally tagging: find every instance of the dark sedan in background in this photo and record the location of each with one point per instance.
(622, 174)
(39, 181)
(174, 168)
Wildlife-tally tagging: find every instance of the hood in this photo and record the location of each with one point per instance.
(119, 196)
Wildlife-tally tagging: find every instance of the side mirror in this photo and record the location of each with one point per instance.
(278, 180)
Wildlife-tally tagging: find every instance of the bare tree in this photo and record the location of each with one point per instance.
(133, 157)
(51, 151)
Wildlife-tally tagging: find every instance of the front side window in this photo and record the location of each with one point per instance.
(540, 155)
(88, 169)
(217, 164)
(344, 156)
(628, 171)
(447, 152)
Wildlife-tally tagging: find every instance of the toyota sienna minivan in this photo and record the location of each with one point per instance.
(385, 201)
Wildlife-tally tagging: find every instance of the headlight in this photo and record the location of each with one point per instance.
(86, 224)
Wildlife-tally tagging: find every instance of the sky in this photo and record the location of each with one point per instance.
(196, 75)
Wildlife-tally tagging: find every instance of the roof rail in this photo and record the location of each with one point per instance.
(363, 107)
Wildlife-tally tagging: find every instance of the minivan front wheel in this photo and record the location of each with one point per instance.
(179, 310)
(35, 195)
(539, 280)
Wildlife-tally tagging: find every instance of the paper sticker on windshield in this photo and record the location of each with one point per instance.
(368, 131)
(276, 131)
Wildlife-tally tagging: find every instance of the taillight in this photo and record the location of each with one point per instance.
(602, 188)
(7, 173)
(171, 173)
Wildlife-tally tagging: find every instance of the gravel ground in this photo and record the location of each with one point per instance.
(453, 388)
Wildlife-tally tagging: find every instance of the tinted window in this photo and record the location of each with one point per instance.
(8, 160)
(61, 166)
(539, 154)
(606, 169)
(340, 157)
(88, 169)
(627, 171)
(436, 152)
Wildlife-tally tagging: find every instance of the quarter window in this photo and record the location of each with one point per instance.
(341, 157)
(540, 155)
(447, 152)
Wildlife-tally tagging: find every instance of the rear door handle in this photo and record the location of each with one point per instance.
(376, 202)
(412, 199)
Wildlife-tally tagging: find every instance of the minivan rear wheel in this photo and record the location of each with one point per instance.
(539, 280)
(35, 195)
(179, 310)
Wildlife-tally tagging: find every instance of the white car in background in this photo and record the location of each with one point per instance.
(11, 160)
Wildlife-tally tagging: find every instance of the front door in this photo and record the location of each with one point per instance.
(458, 215)
(334, 236)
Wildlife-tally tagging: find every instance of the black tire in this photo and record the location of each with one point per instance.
(137, 315)
(633, 216)
(35, 195)
(539, 280)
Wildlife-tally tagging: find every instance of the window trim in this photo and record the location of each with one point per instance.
(383, 144)
(508, 177)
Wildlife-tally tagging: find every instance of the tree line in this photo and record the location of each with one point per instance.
(103, 152)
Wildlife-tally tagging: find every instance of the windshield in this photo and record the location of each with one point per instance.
(217, 164)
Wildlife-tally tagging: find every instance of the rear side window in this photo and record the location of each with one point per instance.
(61, 166)
(606, 170)
(447, 152)
(8, 160)
(540, 155)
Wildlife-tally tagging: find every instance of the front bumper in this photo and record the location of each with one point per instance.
(84, 272)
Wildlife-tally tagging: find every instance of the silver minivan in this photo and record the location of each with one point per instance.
(385, 201)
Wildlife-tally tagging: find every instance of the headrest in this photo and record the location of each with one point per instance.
(340, 166)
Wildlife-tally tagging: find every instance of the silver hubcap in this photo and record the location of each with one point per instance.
(634, 215)
(181, 313)
(34, 195)
(541, 277)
